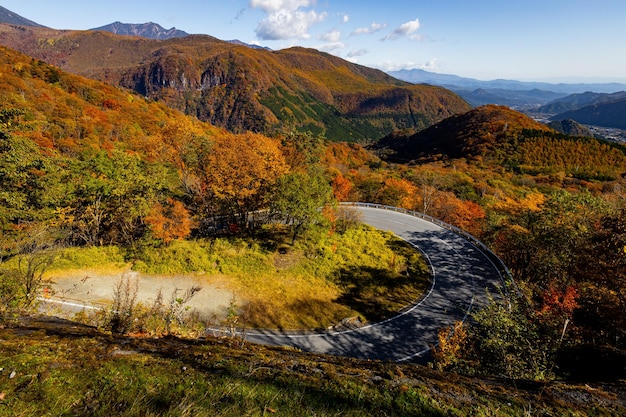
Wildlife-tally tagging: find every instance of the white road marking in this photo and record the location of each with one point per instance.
(67, 303)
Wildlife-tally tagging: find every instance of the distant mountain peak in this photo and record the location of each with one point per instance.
(7, 16)
(238, 42)
(148, 30)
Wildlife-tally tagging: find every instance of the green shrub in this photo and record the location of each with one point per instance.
(227, 256)
(88, 257)
(181, 256)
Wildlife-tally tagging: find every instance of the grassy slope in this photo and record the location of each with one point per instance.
(359, 273)
(52, 367)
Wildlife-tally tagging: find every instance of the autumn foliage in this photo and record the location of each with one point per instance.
(95, 166)
(170, 221)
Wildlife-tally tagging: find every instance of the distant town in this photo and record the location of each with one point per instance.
(609, 133)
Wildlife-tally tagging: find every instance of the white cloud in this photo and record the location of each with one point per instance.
(346, 18)
(395, 66)
(432, 64)
(332, 36)
(286, 19)
(374, 27)
(404, 29)
(357, 52)
(332, 46)
(272, 6)
(288, 25)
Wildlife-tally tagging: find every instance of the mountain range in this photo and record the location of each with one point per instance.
(241, 88)
(589, 108)
(155, 31)
(246, 87)
(516, 94)
(609, 114)
(592, 104)
(578, 101)
(419, 76)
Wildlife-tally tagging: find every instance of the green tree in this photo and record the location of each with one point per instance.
(22, 179)
(302, 150)
(33, 185)
(298, 200)
(507, 339)
(112, 194)
(544, 248)
(601, 279)
(30, 254)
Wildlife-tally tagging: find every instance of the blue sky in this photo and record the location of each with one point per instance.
(546, 40)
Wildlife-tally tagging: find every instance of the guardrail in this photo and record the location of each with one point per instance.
(500, 266)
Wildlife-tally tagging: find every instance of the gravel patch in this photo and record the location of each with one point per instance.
(97, 289)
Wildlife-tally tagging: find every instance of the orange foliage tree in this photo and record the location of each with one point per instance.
(398, 192)
(559, 305)
(445, 206)
(238, 173)
(342, 187)
(449, 348)
(169, 222)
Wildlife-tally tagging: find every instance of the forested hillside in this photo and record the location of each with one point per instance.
(476, 133)
(245, 89)
(96, 161)
(501, 136)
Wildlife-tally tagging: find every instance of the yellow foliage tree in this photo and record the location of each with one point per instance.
(449, 349)
(239, 172)
(398, 192)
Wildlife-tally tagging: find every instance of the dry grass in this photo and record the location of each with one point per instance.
(54, 368)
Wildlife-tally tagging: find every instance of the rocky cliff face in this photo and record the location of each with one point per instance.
(145, 30)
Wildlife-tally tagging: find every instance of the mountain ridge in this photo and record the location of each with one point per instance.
(609, 114)
(578, 101)
(240, 88)
(523, 95)
(146, 30)
(499, 136)
(7, 16)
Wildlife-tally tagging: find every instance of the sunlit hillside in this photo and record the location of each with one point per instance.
(241, 88)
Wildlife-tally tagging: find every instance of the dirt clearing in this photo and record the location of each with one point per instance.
(96, 289)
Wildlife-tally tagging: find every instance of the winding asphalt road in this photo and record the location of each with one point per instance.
(462, 276)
